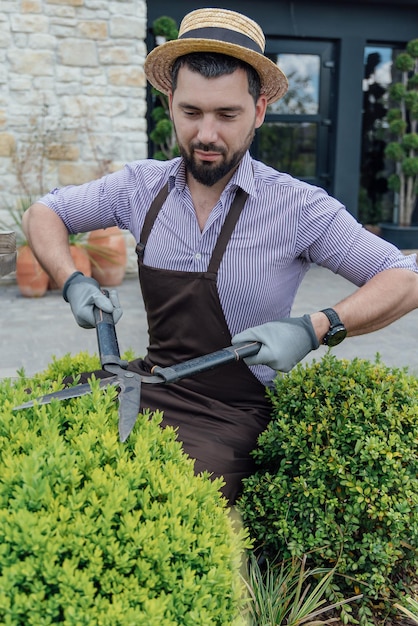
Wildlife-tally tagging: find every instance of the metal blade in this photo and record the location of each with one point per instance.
(129, 403)
(66, 394)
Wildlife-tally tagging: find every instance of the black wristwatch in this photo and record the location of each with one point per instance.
(337, 331)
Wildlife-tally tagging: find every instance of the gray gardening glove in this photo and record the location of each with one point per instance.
(83, 294)
(284, 343)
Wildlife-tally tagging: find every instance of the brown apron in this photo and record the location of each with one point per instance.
(218, 414)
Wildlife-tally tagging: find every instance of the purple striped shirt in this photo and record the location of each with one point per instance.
(285, 226)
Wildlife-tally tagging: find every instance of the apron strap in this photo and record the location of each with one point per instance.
(227, 229)
(150, 217)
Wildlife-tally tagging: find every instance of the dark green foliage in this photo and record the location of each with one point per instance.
(339, 473)
(412, 48)
(394, 150)
(162, 134)
(93, 531)
(165, 26)
(402, 121)
(405, 62)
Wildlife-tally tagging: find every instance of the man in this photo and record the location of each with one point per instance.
(223, 244)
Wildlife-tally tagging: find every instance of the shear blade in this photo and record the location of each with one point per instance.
(65, 394)
(129, 406)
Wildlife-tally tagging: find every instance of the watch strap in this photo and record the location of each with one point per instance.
(334, 319)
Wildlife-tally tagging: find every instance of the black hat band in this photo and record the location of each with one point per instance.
(223, 34)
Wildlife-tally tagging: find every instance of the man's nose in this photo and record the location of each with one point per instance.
(207, 131)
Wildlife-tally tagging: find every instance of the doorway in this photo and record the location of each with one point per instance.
(297, 136)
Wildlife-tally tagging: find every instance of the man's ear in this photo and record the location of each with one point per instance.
(260, 110)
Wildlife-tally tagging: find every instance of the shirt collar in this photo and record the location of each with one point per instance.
(177, 175)
(243, 176)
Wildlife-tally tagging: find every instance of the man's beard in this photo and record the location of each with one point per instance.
(208, 173)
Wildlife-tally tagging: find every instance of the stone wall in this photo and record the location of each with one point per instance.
(72, 92)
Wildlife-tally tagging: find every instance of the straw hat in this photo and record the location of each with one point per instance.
(217, 30)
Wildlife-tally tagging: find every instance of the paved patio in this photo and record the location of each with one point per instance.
(34, 329)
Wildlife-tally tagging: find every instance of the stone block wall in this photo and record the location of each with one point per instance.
(72, 92)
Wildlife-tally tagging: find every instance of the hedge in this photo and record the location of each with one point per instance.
(337, 475)
(93, 531)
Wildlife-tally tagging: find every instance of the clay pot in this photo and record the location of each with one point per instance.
(81, 259)
(31, 279)
(107, 252)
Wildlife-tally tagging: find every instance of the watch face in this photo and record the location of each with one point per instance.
(336, 336)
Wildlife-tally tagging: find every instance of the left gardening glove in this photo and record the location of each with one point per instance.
(283, 343)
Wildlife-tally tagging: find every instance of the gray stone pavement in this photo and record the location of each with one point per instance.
(32, 330)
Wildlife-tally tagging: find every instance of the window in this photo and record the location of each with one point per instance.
(295, 136)
(303, 73)
(375, 201)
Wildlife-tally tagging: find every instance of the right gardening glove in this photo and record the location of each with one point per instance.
(284, 343)
(83, 294)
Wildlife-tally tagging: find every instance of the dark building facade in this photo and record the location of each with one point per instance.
(338, 58)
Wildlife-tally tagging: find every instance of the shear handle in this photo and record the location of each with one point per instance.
(206, 362)
(106, 337)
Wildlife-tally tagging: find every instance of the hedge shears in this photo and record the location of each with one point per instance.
(129, 382)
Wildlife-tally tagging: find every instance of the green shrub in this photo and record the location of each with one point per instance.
(338, 473)
(93, 531)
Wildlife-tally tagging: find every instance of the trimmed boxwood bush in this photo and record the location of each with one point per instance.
(338, 473)
(93, 531)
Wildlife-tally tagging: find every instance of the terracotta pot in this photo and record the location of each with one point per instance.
(31, 279)
(107, 252)
(81, 259)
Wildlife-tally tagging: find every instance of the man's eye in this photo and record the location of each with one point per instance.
(228, 116)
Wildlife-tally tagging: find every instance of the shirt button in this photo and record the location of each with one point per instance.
(198, 256)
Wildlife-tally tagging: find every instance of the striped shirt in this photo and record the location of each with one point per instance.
(285, 226)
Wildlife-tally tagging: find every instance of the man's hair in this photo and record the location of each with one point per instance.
(214, 64)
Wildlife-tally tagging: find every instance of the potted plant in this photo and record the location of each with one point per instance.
(164, 29)
(31, 279)
(162, 134)
(106, 248)
(402, 120)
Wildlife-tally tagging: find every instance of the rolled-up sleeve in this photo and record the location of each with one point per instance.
(90, 206)
(333, 238)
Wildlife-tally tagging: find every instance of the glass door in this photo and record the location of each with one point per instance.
(297, 134)
(376, 202)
